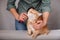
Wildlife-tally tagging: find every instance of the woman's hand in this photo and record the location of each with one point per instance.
(39, 24)
(23, 17)
(42, 23)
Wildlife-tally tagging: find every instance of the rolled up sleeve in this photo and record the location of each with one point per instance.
(46, 6)
(11, 4)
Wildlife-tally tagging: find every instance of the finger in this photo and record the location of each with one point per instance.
(25, 17)
(25, 14)
(21, 19)
(21, 15)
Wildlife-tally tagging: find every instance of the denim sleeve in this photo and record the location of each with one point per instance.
(46, 6)
(11, 4)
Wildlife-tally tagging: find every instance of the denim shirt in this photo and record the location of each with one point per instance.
(23, 5)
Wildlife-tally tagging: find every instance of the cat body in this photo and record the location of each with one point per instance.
(34, 16)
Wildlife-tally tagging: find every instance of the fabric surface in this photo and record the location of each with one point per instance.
(23, 5)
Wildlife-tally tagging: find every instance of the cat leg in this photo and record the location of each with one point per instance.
(47, 31)
(29, 31)
(35, 34)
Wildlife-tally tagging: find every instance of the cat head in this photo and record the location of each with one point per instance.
(34, 12)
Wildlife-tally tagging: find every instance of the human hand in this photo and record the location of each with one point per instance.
(39, 24)
(23, 17)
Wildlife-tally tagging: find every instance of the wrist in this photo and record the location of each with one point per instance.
(45, 22)
(17, 16)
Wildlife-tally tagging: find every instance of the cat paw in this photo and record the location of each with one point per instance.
(29, 33)
(34, 36)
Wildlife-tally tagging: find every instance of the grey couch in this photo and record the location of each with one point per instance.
(22, 35)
